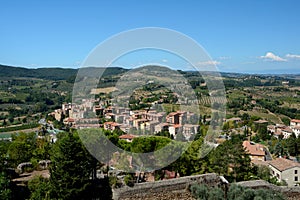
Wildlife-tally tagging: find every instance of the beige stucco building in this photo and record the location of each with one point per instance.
(287, 170)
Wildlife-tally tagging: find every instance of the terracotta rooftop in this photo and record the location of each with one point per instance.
(70, 120)
(254, 149)
(287, 129)
(283, 164)
(278, 133)
(271, 126)
(89, 125)
(259, 162)
(295, 120)
(112, 123)
(127, 136)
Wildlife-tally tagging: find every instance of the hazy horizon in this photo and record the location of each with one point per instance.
(66, 67)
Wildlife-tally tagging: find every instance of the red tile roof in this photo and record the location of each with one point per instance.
(287, 129)
(111, 123)
(295, 120)
(127, 136)
(70, 120)
(283, 164)
(260, 162)
(254, 149)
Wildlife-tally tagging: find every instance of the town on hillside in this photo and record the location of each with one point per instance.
(257, 139)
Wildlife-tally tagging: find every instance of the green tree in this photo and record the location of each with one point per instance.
(11, 119)
(262, 132)
(129, 180)
(192, 161)
(21, 148)
(42, 150)
(199, 191)
(292, 146)
(24, 120)
(237, 192)
(4, 123)
(5, 191)
(4, 145)
(39, 188)
(148, 144)
(216, 194)
(280, 150)
(70, 168)
(231, 160)
(286, 121)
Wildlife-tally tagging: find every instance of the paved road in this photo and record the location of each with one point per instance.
(24, 130)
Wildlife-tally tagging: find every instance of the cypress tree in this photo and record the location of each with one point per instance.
(70, 168)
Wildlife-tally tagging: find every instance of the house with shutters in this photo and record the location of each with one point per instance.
(285, 170)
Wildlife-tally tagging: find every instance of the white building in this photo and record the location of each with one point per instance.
(174, 129)
(296, 130)
(287, 170)
(286, 132)
(295, 122)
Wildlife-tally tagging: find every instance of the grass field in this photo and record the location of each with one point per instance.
(268, 116)
(103, 90)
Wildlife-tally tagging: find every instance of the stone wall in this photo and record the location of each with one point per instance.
(177, 189)
(174, 189)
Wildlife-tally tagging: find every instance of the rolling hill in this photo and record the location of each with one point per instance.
(50, 73)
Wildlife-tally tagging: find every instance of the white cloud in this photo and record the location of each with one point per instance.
(224, 57)
(294, 56)
(209, 63)
(165, 60)
(272, 57)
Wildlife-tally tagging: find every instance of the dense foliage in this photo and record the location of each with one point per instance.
(235, 192)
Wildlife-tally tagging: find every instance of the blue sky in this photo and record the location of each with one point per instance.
(257, 36)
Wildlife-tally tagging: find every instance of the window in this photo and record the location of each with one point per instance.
(296, 171)
(296, 178)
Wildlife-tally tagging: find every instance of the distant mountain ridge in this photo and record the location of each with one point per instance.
(43, 73)
(69, 73)
(49, 73)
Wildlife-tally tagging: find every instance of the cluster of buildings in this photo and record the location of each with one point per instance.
(283, 169)
(63, 113)
(137, 122)
(284, 131)
(149, 122)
